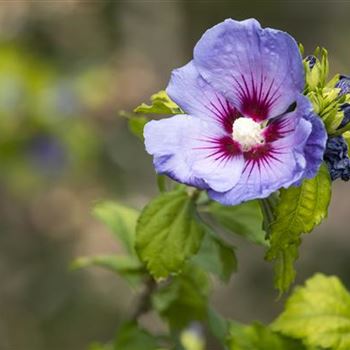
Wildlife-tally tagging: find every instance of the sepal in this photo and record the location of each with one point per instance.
(316, 69)
(160, 104)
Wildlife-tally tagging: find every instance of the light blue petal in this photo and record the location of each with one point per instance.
(197, 98)
(180, 149)
(315, 145)
(259, 70)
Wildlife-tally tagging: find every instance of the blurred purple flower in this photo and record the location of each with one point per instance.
(48, 154)
(248, 130)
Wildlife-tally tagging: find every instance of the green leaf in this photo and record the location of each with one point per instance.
(120, 219)
(299, 210)
(259, 337)
(284, 267)
(127, 266)
(161, 104)
(218, 326)
(136, 125)
(318, 313)
(131, 337)
(168, 232)
(244, 219)
(216, 257)
(184, 299)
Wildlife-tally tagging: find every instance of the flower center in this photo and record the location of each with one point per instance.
(247, 133)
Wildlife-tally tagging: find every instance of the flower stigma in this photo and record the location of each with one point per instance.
(247, 133)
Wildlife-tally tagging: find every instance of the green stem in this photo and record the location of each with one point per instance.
(267, 206)
(161, 183)
(195, 194)
(144, 302)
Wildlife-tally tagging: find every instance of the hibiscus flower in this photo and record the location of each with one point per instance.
(247, 129)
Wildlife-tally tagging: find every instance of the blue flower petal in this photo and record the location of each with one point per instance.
(316, 143)
(187, 149)
(259, 70)
(197, 98)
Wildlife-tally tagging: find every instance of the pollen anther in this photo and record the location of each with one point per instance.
(247, 133)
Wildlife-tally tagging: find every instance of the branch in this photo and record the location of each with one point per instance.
(144, 301)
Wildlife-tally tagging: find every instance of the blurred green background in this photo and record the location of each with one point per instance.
(66, 69)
